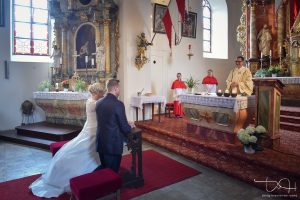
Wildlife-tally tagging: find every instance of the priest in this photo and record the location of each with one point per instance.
(210, 82)
(178, 87)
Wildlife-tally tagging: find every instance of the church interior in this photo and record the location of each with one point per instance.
(212, 86)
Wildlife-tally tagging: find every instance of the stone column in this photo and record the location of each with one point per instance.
(106, 23)
(280, 31)
(253, 32)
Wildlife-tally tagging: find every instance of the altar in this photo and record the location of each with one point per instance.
(63, 107)
(218, 117)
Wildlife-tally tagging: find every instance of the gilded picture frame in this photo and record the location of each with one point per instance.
(189, 27)
(159, 12)
(2, 13)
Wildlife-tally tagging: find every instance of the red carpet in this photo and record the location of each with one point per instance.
(158, 170)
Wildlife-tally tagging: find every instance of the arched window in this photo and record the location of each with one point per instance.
(31, 27)
(206, 23)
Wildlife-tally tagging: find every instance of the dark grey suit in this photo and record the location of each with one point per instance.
(111, 130)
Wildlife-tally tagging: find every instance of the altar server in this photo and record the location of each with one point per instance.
(178, 87)
(210, 82)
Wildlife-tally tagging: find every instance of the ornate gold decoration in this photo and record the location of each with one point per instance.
(296, 25)
(141, 57)
(205, 116)
(117, 46)
(242, 31)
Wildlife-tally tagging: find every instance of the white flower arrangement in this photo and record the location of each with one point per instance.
(250, 135)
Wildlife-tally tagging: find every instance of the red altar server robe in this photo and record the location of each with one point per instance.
(178, 86)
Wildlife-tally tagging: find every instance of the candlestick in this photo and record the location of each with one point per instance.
(86, 59)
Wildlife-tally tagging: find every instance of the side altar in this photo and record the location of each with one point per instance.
(216, 117)
(63, 107)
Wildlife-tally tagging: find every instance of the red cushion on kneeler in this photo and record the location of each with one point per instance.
(95, 184)
(55, 146)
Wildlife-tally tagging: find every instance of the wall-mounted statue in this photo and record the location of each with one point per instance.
(264, 39)
(56, 55)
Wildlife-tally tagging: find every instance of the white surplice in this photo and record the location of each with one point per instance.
(75, 158)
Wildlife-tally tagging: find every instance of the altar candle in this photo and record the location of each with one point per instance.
(280, 51)
(190, 46)
(92, 61)
(271, 53)
(226, 91)
(56, 85)
(60, 60)
(219, 91)
(86, 59)
(261, 55)
(234, 90)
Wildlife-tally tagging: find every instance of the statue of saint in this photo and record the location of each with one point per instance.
(56, 55)
(100, 56)
(264, 38)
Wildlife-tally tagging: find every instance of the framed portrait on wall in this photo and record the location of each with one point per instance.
(1, 12)
(159, 12)
(189, 28)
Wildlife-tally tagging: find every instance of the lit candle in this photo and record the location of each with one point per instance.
(270, 52)
(234, 90)
(92, 61)
(56, 85)
(60, 60)
(261, 55)
(280, 50)
(86, 59)
(219, 91)
(190, 46)
(226, 91)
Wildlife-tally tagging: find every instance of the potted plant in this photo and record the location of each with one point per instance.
(65, 85)
(191, 84)
(274, 70)
(251, 138)
(80, 85)
(261, 73)
(44, 86)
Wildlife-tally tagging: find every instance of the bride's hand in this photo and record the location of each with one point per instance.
(131, 124)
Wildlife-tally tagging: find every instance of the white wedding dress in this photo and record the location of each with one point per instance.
(75, 158)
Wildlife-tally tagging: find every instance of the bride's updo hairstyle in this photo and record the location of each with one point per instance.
(96, 88)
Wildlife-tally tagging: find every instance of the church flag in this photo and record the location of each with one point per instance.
(174, 17)
(294, 11)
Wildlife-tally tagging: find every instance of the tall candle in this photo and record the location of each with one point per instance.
(190, 46)
(261, 55)
(280, 50)
(86, 59)
(60, 60)
(56, 85)
(92, 61)
(271, 53)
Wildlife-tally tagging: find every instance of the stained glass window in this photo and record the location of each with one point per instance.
(31, 27)
(206, 23)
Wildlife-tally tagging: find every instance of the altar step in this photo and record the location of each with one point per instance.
(227, 158)
(40, 134)
(290, 118)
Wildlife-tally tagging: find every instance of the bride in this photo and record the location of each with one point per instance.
(75, 158)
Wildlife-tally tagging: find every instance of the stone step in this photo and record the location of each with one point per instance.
(290, 126)
(12, 136)
(290, 111)
(290, 119)
(49, 131)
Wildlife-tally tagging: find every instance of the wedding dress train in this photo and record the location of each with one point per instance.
(75, 158)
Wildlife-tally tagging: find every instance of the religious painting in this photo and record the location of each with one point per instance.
(2, 13)
(159, 12)
(85, 46)
(189, 27)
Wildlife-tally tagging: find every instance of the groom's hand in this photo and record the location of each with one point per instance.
(131, 124)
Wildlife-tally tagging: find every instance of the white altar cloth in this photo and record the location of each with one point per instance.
(237, 103)
(138, 101)
(62, 95)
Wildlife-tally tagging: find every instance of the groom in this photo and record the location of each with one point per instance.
(112, 127)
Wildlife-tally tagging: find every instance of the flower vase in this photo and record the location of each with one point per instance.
(66, 89)
(248, 149)
(274, 75)
(191, 90)
(258, 146)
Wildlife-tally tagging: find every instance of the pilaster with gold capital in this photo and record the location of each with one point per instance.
(253, 32)
(106, 23)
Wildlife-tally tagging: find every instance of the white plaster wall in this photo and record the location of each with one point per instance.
(23, 81)
(134, 21)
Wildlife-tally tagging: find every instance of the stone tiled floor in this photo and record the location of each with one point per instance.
(17, 161)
